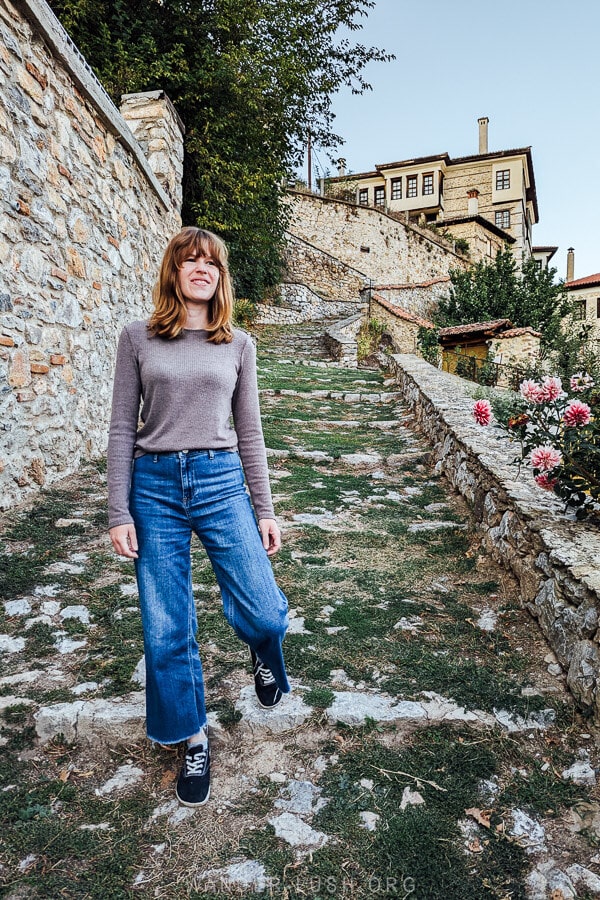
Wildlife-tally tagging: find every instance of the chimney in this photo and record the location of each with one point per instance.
(341, 167)
(483, 134)
(473, 196)
(570, 264)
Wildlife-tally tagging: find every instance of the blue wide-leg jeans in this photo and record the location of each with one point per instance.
(173, 495)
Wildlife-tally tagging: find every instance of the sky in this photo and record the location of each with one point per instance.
(532, 67)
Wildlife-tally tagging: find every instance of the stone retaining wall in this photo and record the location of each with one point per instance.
(330, 278)
(371, 241)
(341, 340)
(556, 560)
(300, 304)
(83, 222)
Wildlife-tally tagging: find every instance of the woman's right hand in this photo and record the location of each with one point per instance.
(124, 540)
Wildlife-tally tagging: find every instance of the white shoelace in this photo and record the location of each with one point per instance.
(265, 675)
(195, 761)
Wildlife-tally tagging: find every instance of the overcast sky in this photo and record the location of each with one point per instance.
(531, 66)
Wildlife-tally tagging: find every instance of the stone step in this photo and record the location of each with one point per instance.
(122, 719)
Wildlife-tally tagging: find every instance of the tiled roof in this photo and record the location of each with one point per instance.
(588, 281)
(515, 332)
(402, 313)
(495, 325)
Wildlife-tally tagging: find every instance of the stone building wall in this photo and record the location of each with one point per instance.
(370, 241)
(83, 223)
(554, 558)
(519, 347)
(483, 243)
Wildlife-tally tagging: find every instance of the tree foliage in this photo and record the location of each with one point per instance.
(499, 290)
(251, 79)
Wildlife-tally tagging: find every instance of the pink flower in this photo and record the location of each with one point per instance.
(545, 481)
(551, 389)
(577, 413)
(531, 390)
(581, 381)
(545, 458)
(482, 411)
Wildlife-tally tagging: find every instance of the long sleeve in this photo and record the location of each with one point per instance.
(123, 429)
(251, 444)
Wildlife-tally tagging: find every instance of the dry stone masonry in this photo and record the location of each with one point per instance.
(84, 219)
(371, 241)
(554, 559)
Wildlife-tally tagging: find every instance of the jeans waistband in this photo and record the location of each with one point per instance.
(176, 454)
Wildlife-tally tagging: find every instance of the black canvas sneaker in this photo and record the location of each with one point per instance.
(267, 692)
(193, 784)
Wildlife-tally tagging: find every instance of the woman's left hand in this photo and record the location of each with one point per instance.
(271, 535)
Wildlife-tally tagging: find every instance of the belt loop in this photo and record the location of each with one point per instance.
(211, 454)
(155, 457)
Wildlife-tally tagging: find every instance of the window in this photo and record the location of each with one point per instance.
(411, 185)
(579, 310)
(379, 196)
(428, 183)
(502, 179)
(598, 308)
(396, 189)
(363, 196)
(503, 218)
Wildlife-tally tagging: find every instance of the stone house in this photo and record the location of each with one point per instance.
(508, 346)
(488, 198)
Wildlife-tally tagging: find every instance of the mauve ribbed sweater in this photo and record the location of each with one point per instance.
(189, 389)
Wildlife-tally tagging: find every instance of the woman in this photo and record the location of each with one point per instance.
(180, 472)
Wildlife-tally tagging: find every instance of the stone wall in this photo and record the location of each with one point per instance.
(330, 278)
(370, 241)
(402, 326)
(83, 223)
(555, 560)
(518, 348)
(484, 244)
(341, 340)
(298, 303)
(420, 299)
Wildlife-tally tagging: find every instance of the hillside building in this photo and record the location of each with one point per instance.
(486, 199)
(584, 294)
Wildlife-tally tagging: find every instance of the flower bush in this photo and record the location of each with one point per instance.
(559, 436)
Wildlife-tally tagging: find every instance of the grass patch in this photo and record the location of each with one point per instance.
(422, 844)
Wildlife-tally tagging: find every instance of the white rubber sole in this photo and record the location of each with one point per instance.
(193, 805)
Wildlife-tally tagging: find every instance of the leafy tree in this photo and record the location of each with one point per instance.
(498, 290)
(251, 79)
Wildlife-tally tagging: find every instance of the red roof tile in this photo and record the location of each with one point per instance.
(588, 281)
(515, 332)
(402, 313)
(495, 325)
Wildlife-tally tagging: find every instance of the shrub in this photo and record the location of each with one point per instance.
(559, 436)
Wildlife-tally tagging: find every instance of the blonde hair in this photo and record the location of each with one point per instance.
(170, 313)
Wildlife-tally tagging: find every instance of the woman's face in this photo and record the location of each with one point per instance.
(198, 278)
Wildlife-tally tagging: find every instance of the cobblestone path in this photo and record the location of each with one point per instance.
(428, 750)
